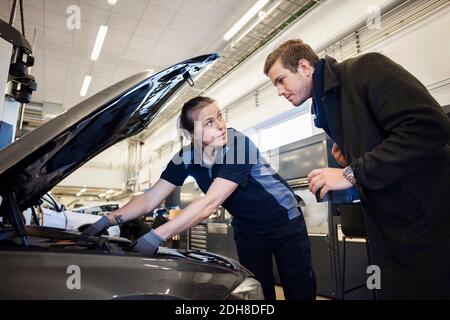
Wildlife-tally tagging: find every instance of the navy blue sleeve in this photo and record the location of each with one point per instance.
(175, 171)
(241, 156)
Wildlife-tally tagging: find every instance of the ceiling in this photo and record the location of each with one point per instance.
(143, 34)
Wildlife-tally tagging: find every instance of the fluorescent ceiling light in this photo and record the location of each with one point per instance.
(112, 2)
(85, 86)
(50, 116)
(261, 17)
(246, 18)
(101, 35)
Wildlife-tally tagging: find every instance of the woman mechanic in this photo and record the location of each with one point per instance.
(228, 168)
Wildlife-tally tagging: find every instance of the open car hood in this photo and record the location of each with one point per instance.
(33, 165)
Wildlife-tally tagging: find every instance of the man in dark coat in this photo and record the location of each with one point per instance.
(393, 138)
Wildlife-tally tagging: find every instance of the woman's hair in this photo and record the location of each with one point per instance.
(185, 121)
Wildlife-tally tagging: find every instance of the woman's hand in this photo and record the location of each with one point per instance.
(148, 244)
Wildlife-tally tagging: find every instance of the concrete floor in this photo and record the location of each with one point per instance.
(280, 294)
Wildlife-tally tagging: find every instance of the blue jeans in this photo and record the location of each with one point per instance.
(288, 242)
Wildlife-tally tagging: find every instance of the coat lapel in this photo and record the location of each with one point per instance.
(331, 101)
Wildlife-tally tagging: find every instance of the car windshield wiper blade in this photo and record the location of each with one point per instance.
(197, 255)
(169, 252)
(92, 241)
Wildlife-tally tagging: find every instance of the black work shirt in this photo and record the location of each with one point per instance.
(262, 197)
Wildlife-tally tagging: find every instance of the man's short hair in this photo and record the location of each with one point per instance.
(290, 53)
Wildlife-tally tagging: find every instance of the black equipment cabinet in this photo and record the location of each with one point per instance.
(294, 162)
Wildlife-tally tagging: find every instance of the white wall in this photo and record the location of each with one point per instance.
(106, 170)
(9, 108)
(5, 59)
(424, 50)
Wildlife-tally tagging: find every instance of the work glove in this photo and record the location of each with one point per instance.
(96, 228)
(148, 244)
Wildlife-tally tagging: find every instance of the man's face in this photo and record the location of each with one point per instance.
(209, 126)
(296, 87)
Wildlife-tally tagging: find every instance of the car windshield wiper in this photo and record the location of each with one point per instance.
(85, 242)
(169, 252)
(200, 256)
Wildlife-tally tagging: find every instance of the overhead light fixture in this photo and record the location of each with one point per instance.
(112, 2)
(79, 194)
(83, 190)
(101, 35)
(85, 86)
(245, 19)
(49, 116)
(261, 16)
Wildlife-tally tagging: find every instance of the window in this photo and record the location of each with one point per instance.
(285, 132)
(254, 136)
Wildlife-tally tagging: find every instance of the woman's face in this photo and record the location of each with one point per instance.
(210, 128)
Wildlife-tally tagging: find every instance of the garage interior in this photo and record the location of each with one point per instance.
(70, 66)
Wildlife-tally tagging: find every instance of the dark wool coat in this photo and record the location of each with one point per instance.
(396, 138)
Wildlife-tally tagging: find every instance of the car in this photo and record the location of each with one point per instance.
(99, 209)
(57, 216)
(39, 262)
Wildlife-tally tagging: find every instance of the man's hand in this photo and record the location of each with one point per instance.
(148, 244)
(95, 229)
(327, 179)
(337, 154)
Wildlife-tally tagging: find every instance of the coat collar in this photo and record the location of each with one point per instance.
(330, 100)
(330, 78)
